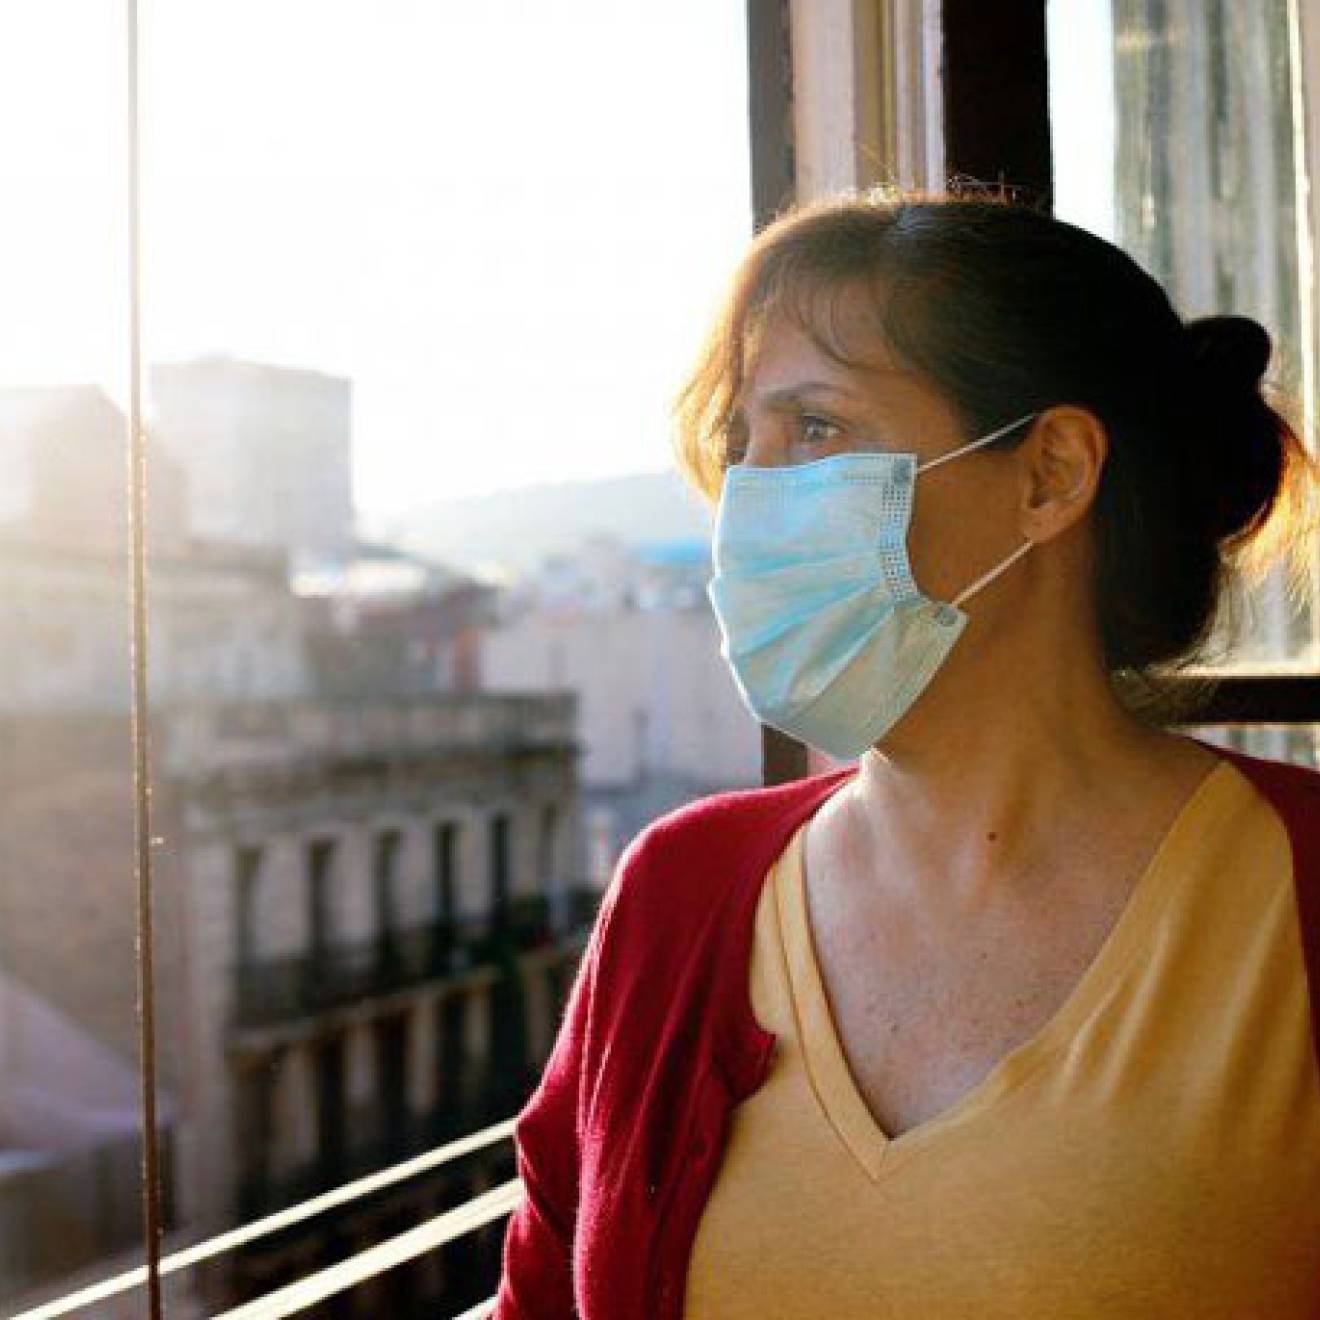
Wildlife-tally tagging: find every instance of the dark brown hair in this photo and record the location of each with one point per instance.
(1006, 310)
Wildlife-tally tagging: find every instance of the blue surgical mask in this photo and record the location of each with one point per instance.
(828, 636)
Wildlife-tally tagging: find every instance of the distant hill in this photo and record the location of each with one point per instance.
(515, 529)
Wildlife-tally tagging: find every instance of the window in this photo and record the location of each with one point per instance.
(428, 643)
(407, 339)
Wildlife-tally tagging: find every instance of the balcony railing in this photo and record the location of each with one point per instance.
(303, 985)
(205, 739)
(298, 1298)
(402, 1139)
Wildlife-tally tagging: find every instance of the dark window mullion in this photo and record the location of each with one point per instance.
(1261, 699)
(769, 106)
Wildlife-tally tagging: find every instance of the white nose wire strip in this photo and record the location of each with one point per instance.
(986, 578)
(976, 444)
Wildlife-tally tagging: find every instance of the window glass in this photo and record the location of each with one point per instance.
(1179, 133)
(70, 1142)
(1282, 742)
(430, 644)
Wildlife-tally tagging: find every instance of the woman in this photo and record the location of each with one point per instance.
(1012, 1017)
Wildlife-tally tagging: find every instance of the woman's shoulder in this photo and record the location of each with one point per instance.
(701, 845)
(681, 881)
(1292, 789)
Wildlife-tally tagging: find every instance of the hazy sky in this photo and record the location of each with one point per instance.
(505, 221)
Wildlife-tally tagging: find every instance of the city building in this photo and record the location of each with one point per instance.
(392, 623)
(380, 902)
(222, 622)
(630, 632)
(266, 452)
(369, 880)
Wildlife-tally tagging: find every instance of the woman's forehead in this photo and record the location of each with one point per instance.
(785, 353)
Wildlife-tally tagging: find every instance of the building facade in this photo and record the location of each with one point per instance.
(266, 452)
(381, 927)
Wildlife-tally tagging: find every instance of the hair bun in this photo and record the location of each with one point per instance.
(1234, 426)
(1228, 352)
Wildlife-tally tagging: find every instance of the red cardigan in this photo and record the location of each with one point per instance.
(620, 1143)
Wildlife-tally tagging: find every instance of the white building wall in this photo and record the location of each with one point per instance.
(354, 903)
(360, 1069)
(423, 1061)
(293, 1125)
(266, 450)
(219, 633)
(412, 874)
(283, 919)
(472, 886)
(655, 695)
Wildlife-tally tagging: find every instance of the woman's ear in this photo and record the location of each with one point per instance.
(1065, 454)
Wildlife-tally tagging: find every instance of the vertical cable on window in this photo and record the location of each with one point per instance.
(137, 508)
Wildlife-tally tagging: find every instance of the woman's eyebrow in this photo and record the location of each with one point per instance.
(801, 392)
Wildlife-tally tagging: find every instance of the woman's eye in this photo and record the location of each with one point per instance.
(817, 430)
(734, 442)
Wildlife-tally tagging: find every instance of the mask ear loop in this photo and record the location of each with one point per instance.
(986, 578)
(975, 444)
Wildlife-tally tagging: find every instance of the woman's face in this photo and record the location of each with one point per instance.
(800, 404)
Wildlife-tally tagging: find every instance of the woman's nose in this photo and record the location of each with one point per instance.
(761, 451)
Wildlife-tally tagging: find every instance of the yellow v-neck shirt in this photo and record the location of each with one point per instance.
(1153, 1151)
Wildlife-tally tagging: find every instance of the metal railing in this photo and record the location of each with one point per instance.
(401, 1138)
(273, 990)
(290, 1300)
(201, 739)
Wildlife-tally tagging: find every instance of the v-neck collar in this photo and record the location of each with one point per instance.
(827, 1067)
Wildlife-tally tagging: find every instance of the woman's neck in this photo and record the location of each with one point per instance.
(975, 790)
